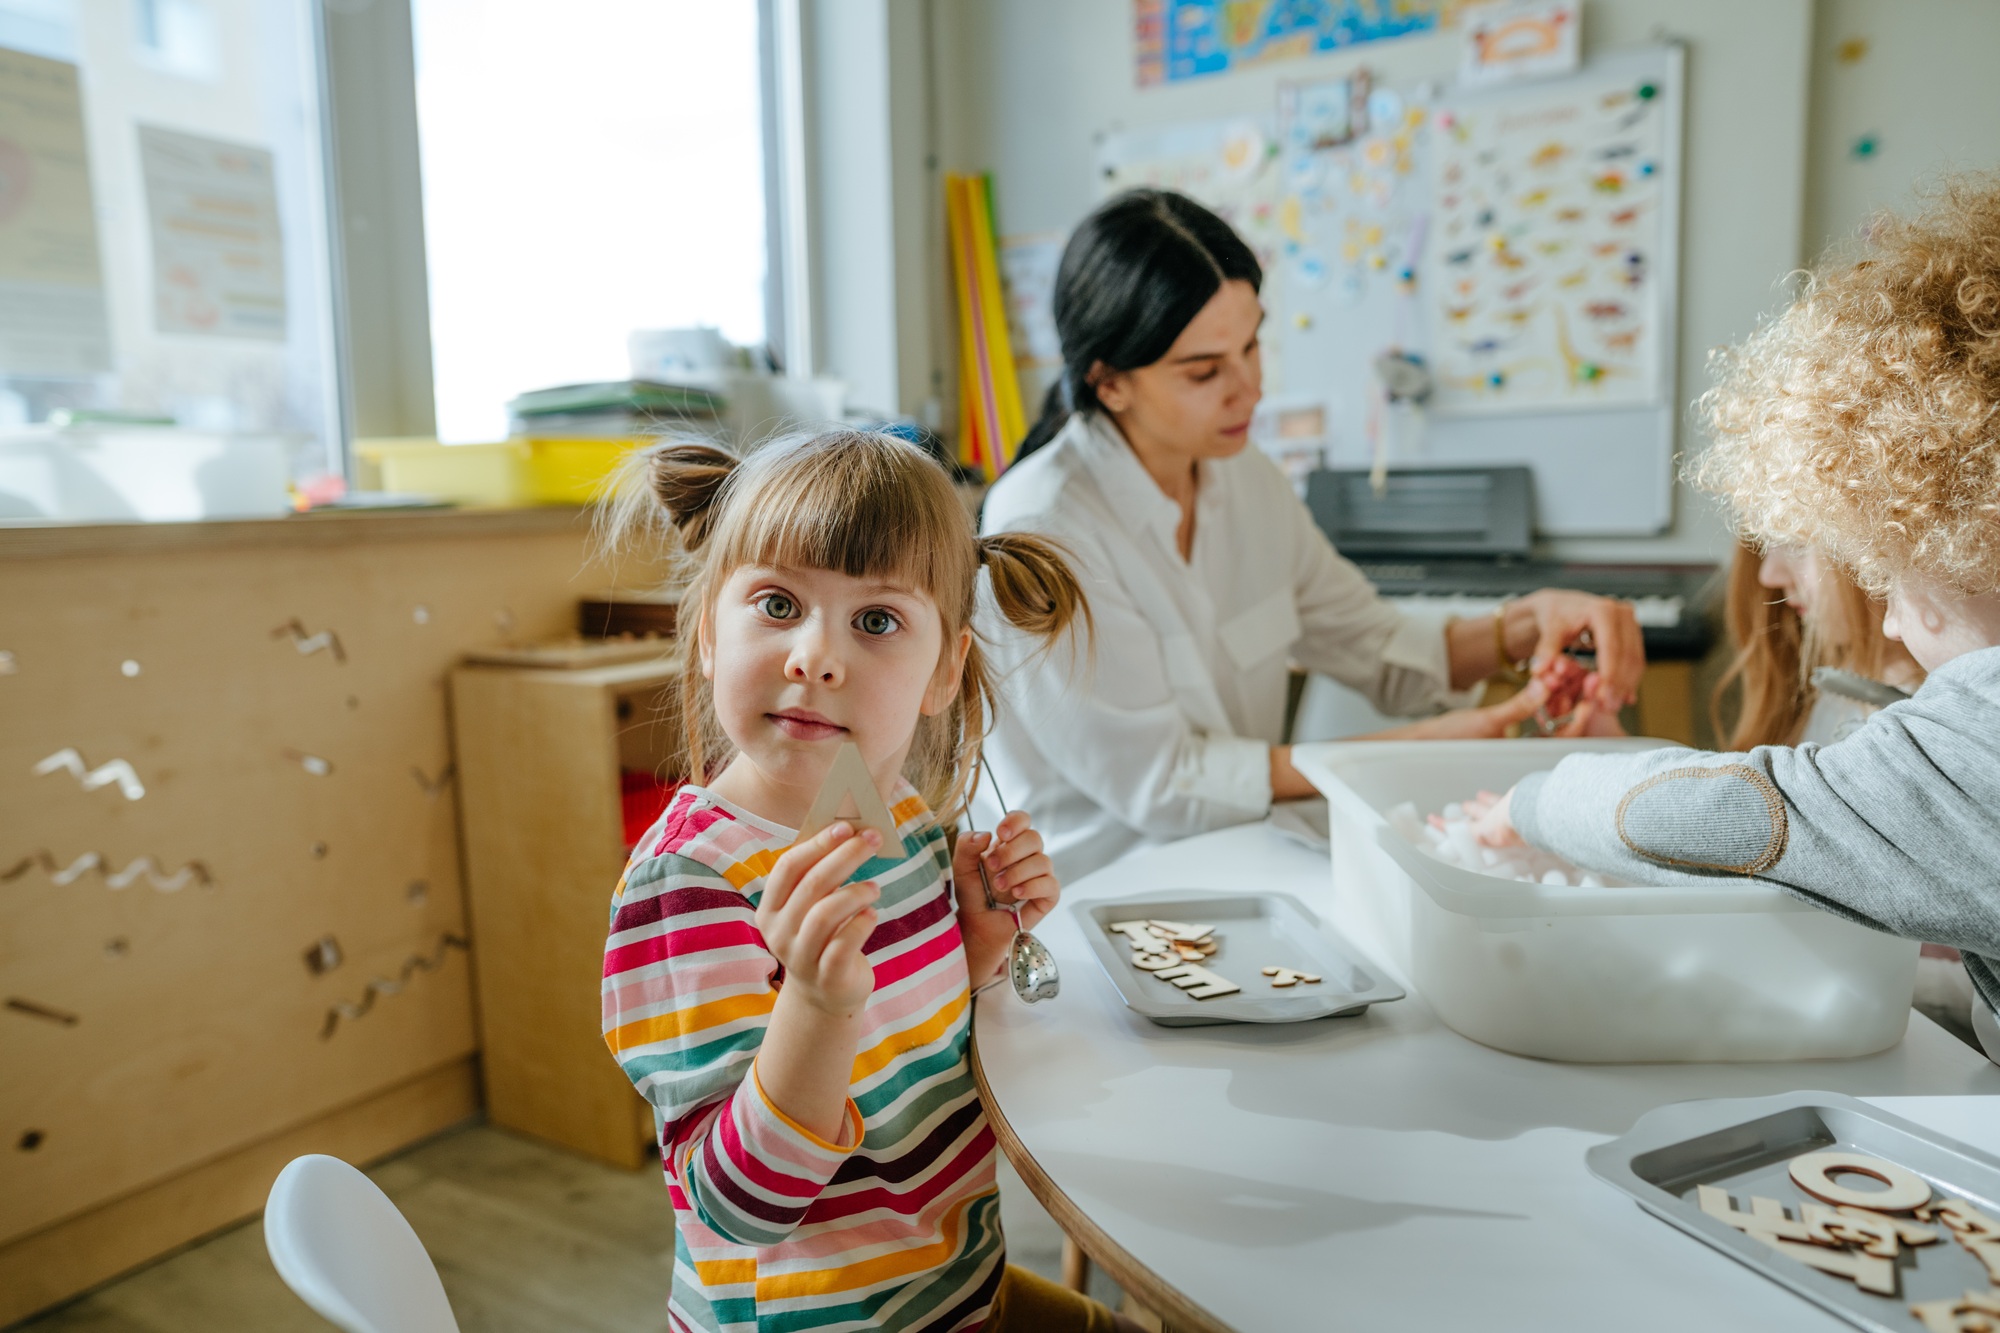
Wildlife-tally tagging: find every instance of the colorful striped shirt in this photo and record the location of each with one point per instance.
(896, 1225)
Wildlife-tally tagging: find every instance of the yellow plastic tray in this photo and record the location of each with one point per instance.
(467, 474)
(572, 470)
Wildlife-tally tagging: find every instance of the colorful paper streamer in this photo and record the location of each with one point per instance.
(991, 423)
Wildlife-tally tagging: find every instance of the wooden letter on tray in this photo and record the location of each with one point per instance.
(1198, 981)
(1868, 1272)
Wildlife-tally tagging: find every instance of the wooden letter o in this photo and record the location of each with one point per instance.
(1813, 1173)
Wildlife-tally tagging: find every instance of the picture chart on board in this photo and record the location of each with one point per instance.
(1518, 244)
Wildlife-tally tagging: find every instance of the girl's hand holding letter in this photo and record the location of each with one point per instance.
(815, 923)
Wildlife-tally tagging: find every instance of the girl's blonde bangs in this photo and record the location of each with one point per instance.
(849, 502)
(866, 505)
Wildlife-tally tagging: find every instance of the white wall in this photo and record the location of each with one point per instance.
(1026, 86)
(1924, 89)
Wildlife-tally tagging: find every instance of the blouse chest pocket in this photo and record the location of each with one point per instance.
(1182, 661)
(1267, 628)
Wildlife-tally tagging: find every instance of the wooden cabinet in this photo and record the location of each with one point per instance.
(230, 922)
(540, 752)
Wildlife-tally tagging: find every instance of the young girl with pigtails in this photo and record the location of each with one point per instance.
(798, 1011)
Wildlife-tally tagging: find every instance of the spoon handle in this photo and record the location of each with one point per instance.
(1001, 800)
(993, 904)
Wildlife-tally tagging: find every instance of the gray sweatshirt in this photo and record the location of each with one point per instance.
(1897, 826)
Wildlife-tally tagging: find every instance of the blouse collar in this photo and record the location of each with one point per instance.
(1131, 490)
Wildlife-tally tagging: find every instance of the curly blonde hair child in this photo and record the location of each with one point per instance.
(1863, 423)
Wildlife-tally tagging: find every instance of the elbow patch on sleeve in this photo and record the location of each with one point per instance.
(1729, 818)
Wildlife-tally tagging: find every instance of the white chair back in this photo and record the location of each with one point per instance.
(341, 1245)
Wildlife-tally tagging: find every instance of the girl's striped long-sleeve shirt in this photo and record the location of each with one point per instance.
(894, 1224)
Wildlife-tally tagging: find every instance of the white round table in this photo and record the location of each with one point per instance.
(1380, 1171)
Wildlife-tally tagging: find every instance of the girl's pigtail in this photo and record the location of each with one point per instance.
(668, 487)
(674, 487)
(1034, 586)
(1035, 591)
(687, 481)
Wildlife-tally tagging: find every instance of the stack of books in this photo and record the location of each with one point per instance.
(615, 409)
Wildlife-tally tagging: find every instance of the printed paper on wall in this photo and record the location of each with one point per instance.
(1542, 278)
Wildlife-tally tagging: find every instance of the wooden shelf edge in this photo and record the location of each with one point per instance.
(59, 1262)
(1142, 1283)
(43, 540)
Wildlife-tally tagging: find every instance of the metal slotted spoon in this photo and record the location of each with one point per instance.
(1029, 964)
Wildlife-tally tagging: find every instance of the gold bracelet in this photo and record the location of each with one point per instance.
(1510, 670)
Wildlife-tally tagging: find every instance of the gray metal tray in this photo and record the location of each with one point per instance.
(1256, 930)
(1743, 1145)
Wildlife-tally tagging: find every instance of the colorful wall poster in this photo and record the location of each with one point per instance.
(1519, 39)
(1187, 39)
(52, 313)
(218, 250)
(1543, 279)
(1348, 199)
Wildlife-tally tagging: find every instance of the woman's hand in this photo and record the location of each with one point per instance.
(1542, 624)
(1020, 871)
(1493, 820)
(815, 922)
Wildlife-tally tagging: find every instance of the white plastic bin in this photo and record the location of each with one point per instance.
(1733, 970)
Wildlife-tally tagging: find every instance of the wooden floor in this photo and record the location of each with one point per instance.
(526, 1237)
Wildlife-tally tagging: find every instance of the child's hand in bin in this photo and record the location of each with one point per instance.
(1566, 683)
(1021, 873)
(1574, 699)
(1492, 822)
(815, 922)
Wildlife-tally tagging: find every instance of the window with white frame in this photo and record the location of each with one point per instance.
(590, 169)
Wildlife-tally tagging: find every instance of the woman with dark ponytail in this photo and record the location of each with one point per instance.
(1206, 577)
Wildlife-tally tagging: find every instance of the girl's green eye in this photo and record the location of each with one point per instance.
(777, 606)
(875, 621)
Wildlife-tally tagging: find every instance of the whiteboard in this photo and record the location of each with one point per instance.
(1346, 209)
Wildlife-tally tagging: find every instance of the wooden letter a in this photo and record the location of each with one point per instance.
(849, 793)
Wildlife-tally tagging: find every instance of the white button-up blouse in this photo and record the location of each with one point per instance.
(1163, 726)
